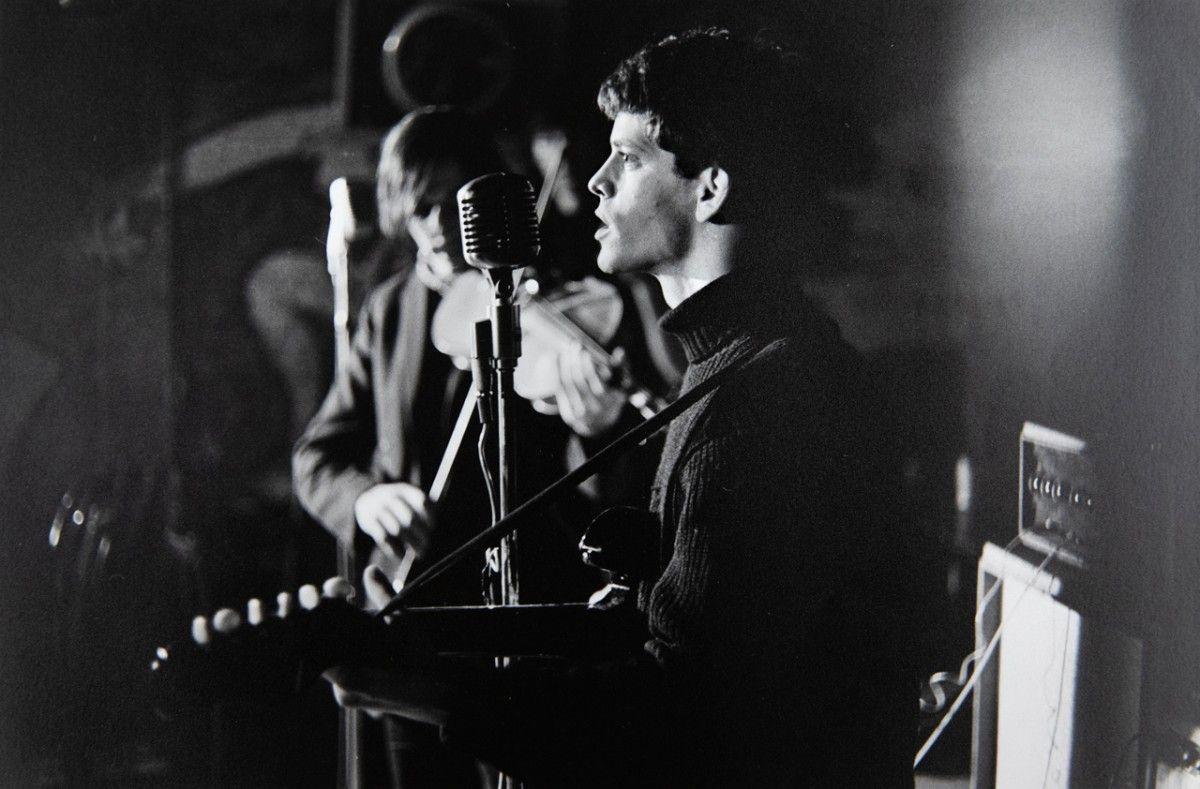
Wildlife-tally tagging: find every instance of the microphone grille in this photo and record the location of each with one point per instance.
(498, 218)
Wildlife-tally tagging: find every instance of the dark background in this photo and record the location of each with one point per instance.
(1012, 196)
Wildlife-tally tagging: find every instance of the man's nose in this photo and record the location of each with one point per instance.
(599, 184)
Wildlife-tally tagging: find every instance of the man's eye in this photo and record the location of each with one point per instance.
(627, 158)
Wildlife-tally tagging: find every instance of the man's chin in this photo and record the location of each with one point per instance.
(611, 264)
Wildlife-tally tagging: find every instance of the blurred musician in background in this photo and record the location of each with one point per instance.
(364, 465)
(778, 620)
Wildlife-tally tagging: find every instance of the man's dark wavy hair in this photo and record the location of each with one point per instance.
(716, 98)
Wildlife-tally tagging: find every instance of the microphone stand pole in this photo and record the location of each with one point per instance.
(506, 350)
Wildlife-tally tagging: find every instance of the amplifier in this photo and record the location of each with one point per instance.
(1057, 494)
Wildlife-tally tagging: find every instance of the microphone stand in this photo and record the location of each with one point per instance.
(498, 221)
(506, 350)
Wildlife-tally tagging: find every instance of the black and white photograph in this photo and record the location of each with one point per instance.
(522, 394)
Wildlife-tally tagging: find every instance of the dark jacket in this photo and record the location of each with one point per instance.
(360, 435)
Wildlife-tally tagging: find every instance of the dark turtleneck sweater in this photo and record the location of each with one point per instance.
(781, 605)
(777, 622)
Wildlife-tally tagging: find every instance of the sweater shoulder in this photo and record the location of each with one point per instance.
(801, 376)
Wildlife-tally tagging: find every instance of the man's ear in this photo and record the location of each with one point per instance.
(713, 191)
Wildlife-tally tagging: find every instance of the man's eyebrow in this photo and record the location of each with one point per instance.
(629, 142)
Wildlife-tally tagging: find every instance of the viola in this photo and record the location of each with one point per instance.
(575, 314)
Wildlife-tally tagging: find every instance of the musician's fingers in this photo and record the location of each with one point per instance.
(383, 512)
(570, 386)
(416, 499)
(254, 611)
(566, 411)
(284, 604)
(572, 364)
(377, 586)
(388, 521)
(226, 620)
(400, 510)
(592, 375)
(378, 533)
(546, 405)
(337, 588)
(413, 536)
(587, 405)
(393, 547)
(412, 529)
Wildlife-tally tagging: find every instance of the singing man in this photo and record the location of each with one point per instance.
(777, 652)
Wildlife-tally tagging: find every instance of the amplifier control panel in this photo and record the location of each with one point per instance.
(1058, 494)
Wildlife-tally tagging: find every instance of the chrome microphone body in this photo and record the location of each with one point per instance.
(498, 217)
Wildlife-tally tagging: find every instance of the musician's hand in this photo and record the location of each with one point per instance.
(587, 398)
(395, 515)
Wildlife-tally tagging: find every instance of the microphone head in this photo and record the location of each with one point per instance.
(498, 217)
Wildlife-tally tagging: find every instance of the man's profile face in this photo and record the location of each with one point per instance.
(647, 208)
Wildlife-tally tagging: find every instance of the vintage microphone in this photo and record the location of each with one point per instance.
(498, 217)
(498, 220)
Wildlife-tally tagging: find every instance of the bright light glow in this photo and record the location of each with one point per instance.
(1042, 111)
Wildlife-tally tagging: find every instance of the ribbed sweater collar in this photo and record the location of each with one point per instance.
(738, 306)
